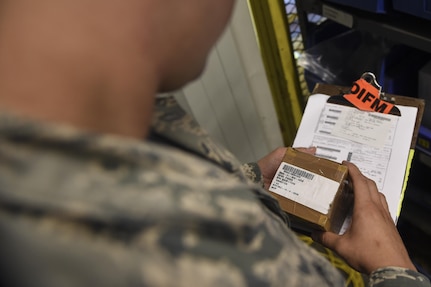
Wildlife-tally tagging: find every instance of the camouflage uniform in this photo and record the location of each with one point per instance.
(81, 209)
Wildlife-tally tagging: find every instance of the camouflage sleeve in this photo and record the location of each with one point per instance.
(252, 172)
(396, 276)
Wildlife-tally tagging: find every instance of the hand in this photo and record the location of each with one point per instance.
(372, 241)
(269, 164)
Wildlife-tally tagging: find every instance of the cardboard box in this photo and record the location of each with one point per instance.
(313, 191)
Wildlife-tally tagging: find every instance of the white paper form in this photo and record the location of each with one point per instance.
(377, 143)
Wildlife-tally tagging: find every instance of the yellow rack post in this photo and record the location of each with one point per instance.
(272, 27)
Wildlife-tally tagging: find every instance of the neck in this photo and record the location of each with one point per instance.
(61, 74)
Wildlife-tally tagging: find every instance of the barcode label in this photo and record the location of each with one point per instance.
(298, 172)
(305, 187)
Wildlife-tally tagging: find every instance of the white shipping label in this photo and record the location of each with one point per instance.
(310, 189)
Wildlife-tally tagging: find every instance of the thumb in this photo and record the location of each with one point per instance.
(309, 150)
(327, 239)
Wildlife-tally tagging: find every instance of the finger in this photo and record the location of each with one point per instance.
(374, 191)
(327, 239)
(384, 203)
(309, 150)
(359, 183)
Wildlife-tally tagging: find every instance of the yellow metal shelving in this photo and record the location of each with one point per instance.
(273, 23)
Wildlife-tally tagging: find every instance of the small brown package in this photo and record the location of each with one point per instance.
(313, 191)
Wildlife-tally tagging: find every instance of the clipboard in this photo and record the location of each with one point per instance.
(335, 93)
(366, 94)
(361, 124)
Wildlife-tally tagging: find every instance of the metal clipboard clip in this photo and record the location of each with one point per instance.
(366, 94)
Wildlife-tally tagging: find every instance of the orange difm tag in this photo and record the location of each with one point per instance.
(366, 97)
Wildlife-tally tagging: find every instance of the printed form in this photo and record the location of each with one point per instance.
(379, 144)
